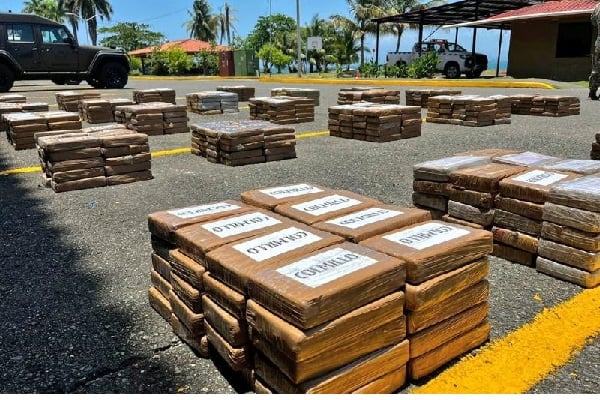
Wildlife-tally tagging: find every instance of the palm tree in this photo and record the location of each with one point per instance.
(403, 6)
(44, 8)
(202, 24)
(89, 11)
(363, 11)
(224, 23)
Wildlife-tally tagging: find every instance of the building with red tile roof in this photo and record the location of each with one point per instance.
(190, 46)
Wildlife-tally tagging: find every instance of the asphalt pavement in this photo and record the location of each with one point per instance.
(75, 266)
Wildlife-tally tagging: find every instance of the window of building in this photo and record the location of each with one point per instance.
(574, 39)
(19, 32)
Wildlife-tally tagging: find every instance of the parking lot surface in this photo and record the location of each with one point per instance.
(74, 315)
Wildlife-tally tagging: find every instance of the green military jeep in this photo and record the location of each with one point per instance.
(32, 47)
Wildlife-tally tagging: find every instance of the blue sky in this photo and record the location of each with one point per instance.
(169, 17)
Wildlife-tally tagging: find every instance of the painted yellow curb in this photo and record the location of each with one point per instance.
(159, 153)
(483, 83)
(515, 363)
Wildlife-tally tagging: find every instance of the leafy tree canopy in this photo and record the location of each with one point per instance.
(130, 36)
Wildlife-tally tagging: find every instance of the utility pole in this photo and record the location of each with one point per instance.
(298, 37)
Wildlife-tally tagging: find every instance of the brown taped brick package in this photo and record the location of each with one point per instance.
(572, 208)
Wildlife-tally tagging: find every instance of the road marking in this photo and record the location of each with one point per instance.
(155, 154)
(25, 170)
(312, 134)
(518, 361)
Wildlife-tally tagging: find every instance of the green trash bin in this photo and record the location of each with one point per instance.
(246, 62)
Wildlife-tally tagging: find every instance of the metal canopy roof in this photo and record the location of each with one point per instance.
(457, 12)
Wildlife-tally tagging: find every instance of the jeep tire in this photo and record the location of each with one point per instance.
(113, 75)
(7, 78)
(452, 70)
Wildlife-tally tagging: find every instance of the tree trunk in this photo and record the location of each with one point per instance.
(362, 49)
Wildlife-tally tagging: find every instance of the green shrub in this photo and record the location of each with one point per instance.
(424, 66)
(135, 63)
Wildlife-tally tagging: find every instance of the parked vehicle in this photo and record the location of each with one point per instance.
(32, 47)
(454, 59)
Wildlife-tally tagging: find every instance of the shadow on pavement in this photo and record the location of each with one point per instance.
(56, 336)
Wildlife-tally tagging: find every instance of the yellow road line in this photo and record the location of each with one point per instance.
(515, 363)
(155, 154)
(312, 134)
(171, 152)
(25, 170)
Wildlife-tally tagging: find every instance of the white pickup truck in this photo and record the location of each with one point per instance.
(454, 59)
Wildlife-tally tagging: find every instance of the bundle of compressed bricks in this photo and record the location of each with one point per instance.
(466, 110)
(162, 95)
(212, 102)
(93, 157)
(282, 109)
(306, 289)
(13, 98)
(21, 127)
(313, 94)
(10, 107)
(375, 95)
(509, 195)
(99, 111)
(153, 118)
(244, 92)
(594, 154)
(419, 97)
(374, 122)
(69, 100)
(242, 143)
(547, 106)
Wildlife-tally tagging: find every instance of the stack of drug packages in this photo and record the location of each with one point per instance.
(114, 103)
(308, 307)
(431, 181)
(69, 100)
(242, 143)
(569, 248)
(8, 108)
(463, 110)
(161, 95)
(13, 98)
(93, 157)
(157, 118)
(474, 192)
(503, 109)
(280, 141)
(177, 277)
(555, 106)
(282, 109)
(313, 94)
(372, 95)
(96, 111)
(420, 97)
(244, 92)
(21, 127)
(594, 154)
(521, 103)
(212, 102)
(446, 290)
(519, 209)
(374, 122)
